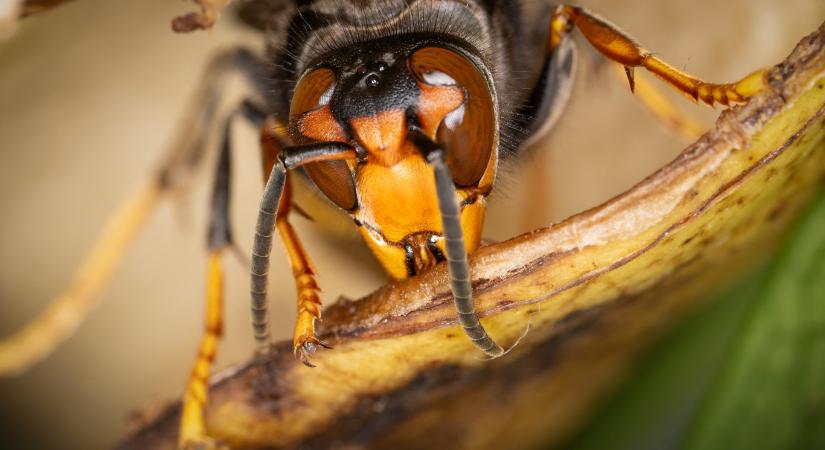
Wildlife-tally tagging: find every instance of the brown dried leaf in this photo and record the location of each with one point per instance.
(202, 20)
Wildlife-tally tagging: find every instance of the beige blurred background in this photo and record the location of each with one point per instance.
(91, 92)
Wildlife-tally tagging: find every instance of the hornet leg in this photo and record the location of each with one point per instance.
(193, 433)
(621, 48)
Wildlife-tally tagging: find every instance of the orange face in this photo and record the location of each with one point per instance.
(389, 190)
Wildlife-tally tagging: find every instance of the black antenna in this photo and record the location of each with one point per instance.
(454, 243)
(261, 249)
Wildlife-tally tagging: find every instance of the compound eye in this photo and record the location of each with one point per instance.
(464, 126)
(311, 120)
(314, 91)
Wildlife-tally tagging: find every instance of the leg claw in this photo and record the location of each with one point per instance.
(306, 346)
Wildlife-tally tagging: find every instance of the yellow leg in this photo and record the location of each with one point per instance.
(193, 426)
(621, 48)
(59, 320)
(40, 337)
(538, 203)
(309, 304)
(192, 431)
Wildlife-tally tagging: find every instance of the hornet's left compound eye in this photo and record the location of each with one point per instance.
(313, 91)
(456, 93)
(311, 120)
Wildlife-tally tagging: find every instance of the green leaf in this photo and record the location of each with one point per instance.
(746, 373)
(771, 391)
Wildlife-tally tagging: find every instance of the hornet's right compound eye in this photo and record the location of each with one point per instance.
(311, 120)
(314, 91)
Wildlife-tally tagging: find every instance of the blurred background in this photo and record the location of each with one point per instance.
(90, 93)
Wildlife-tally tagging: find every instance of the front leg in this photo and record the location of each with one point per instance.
(308, 302)
(275, 207)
